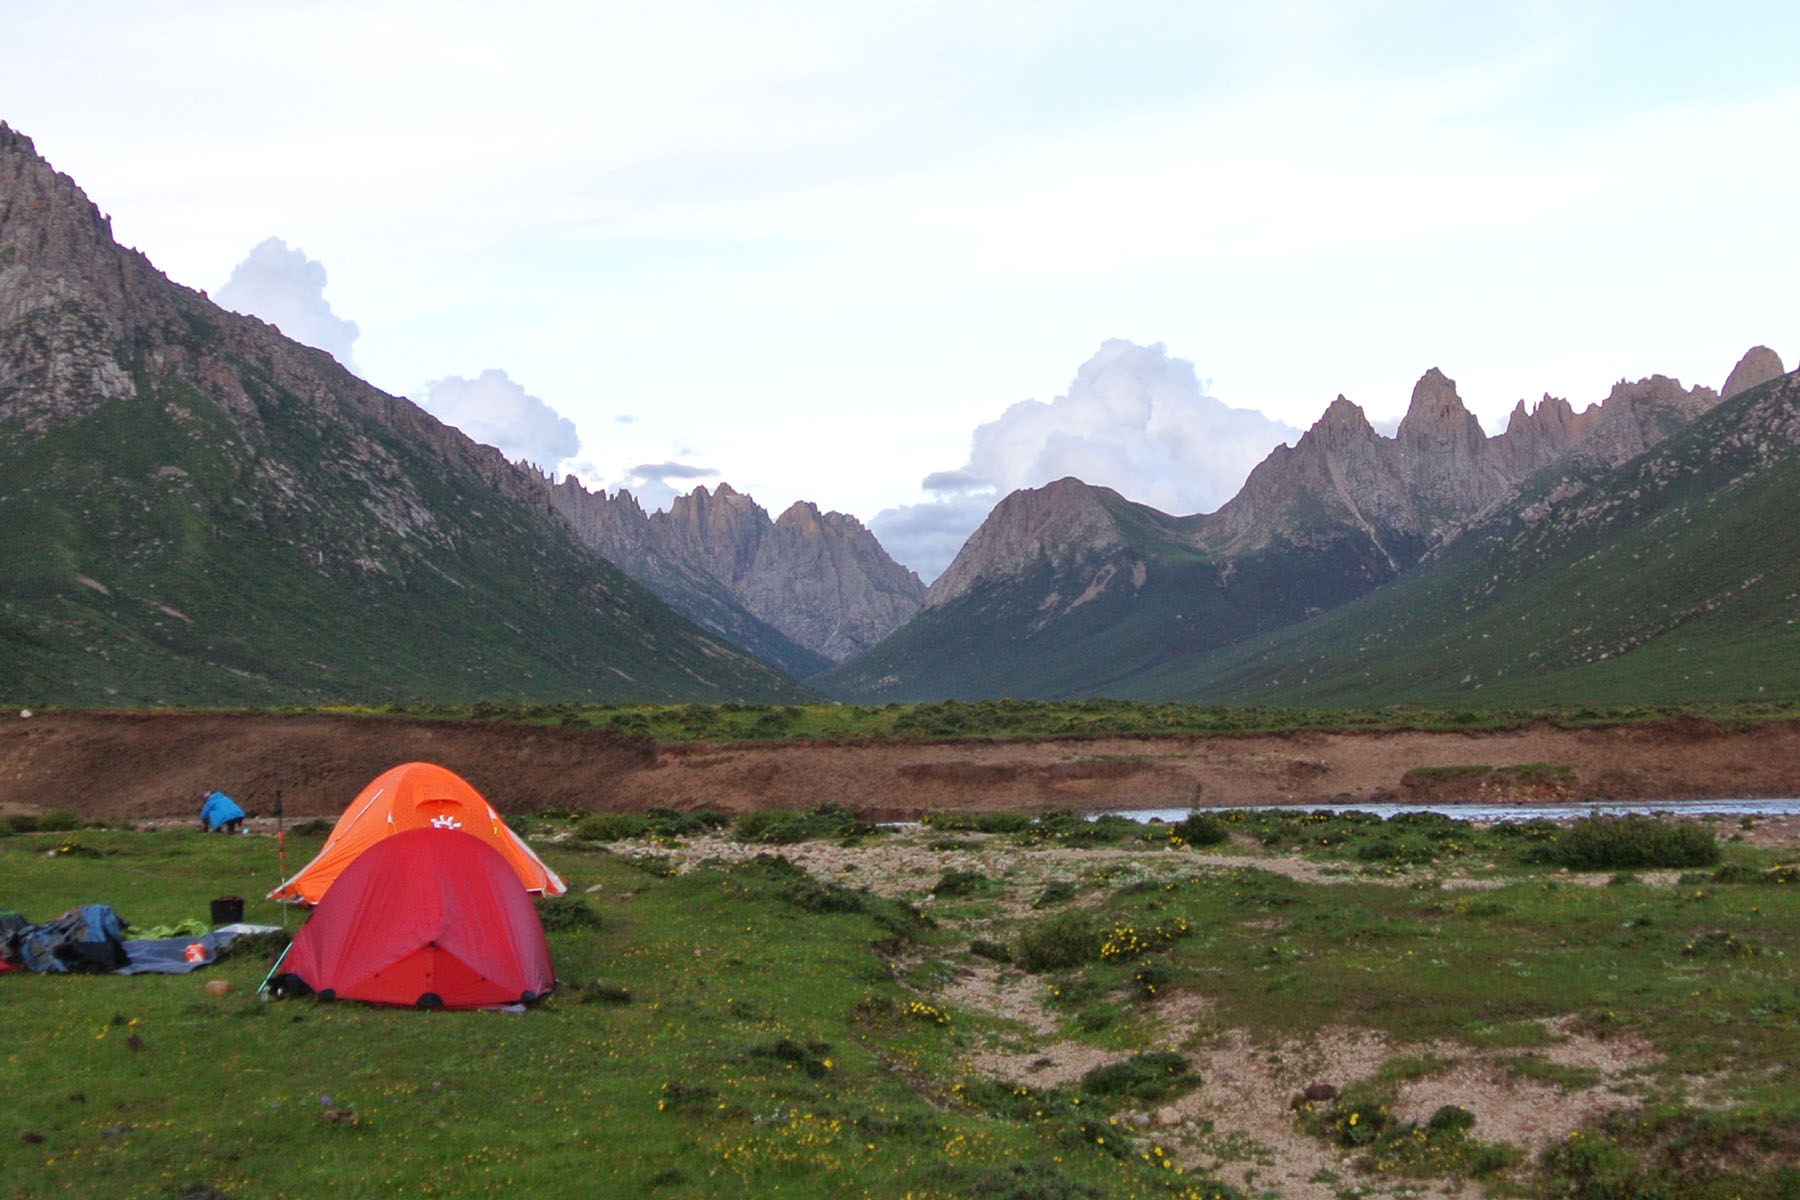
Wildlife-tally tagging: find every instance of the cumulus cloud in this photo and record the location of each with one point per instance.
(496, 411)
(287, 289)
(1134, 419)
(655, 485)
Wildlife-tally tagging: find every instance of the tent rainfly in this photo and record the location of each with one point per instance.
(431, 918)
(415, 796)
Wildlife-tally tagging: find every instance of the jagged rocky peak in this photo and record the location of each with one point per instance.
(1057, 523)
(1342, 423)
(1759, 365)
(804, 515)
(1436, 419)
(820, 579)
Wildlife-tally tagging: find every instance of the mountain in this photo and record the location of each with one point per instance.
(1671, 579)
(195, 509)
(804, 591)
(1071, 590)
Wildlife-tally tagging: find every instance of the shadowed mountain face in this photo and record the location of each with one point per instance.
(194, 509)
(1070, 590)
(1671, 579)
(803, 591)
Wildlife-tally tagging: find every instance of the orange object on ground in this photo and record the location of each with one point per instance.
(415, 796)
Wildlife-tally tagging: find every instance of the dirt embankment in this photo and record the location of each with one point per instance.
(146, 765)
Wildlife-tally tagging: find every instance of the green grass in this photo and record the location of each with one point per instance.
(754, 1030)
(216, 558)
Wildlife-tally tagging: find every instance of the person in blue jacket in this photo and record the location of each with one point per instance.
(220, 814)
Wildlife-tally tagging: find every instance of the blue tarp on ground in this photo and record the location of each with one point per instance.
(172, 956)
(218, 809)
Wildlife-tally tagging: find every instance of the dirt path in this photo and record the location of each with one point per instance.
(145, 765)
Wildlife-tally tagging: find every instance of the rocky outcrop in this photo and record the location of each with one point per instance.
(1056, 524)
(820, 579)
(1758, 366)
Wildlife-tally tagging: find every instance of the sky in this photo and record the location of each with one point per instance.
(898, 258)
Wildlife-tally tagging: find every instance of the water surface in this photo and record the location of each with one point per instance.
(1505, 812)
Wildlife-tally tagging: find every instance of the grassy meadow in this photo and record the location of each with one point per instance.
(796, 1007)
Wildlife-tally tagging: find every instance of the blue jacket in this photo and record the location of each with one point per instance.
(218, 809)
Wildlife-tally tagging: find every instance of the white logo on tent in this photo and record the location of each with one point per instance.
(445, 823)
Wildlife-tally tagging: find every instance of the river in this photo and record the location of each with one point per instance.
(1488, 813)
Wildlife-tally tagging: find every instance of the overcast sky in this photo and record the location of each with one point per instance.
(829, 251)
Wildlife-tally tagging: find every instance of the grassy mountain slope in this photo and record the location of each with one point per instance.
(1671, 579)
(1109, 618)
(195, 509)
(152, 554)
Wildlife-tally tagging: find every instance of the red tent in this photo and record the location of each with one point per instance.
(428, 917)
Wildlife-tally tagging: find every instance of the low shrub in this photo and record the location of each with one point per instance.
(1201, 829)
(1151, 977)
(1451, 1118)
(1622, 843)
(561, 913)
(961, 883)
(1718, 943)
(1064, 941)
(1156, 1075)
(655, 822)
(803, 891)
(611, 826)
(993, 951)
(813, 1059)
(978, 822)
(785, 826)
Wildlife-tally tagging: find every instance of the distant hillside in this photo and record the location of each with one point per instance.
(196, 510)
(1073, 591)
(1674, 578)
(1101, 590)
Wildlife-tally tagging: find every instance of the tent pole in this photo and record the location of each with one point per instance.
(264, 986)
(280, 856)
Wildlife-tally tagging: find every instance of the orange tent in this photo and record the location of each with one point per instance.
(415, 796)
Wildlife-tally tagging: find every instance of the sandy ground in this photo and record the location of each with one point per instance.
(143, 765)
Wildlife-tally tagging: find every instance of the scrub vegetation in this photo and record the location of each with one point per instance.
(953, 720)
(1020, 1010)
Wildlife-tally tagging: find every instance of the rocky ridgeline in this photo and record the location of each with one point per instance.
(1397, 498)
(819, 578)
(70, 297)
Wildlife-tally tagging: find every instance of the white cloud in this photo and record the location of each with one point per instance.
(287, 289)
(1134, 419)
(655, 485)
(494, 410)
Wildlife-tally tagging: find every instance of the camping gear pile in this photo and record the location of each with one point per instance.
(89, 938)
(92, 938)
(422, 897)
